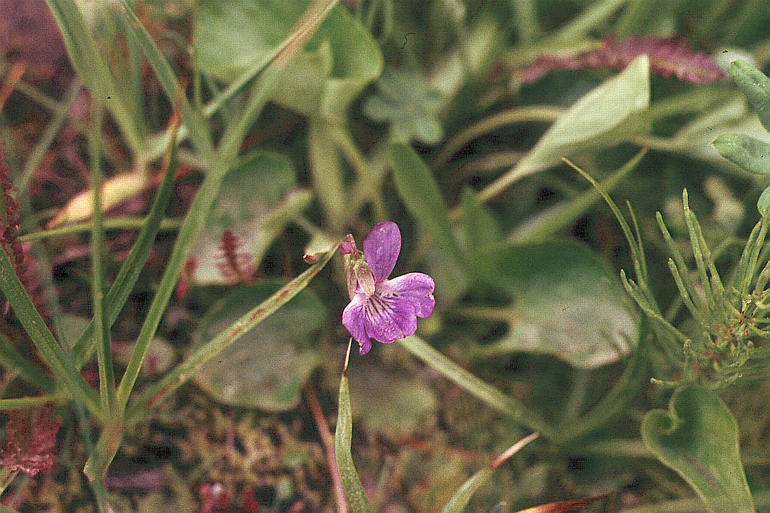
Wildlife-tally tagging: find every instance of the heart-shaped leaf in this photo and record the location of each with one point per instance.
(567, 303)
(698, 437)
(339, 61)
(267, 367)
(256, 201)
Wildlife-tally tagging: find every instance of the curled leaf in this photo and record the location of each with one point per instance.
(115, 191)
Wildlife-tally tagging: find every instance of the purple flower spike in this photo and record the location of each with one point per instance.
(390, 311)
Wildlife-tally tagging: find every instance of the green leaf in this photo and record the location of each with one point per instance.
(420, 193)
(340, 60)
(605, 116)
(756, 86)
(405, 100)
(480, 229)
(256, 201)
(343, 437)
(749, 153)
(698, 438)
(267, 367)
(567, 303)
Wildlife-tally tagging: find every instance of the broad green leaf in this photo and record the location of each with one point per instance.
(340, 60)
(756, 86)
(391, 402)
(268, 366)
(256, 201)
(420, 193)
(405, 100)
(605, 116)
(343, 438)
(698, 438)
(567, 303)
(747, 152)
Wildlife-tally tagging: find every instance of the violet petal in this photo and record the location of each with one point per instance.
(353, 319)
(417, 288)
(389, 318)
(381, 248)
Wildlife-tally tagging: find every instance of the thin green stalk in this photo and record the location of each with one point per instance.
(41, 148)
(188, 368)
(21, 403)
(93, 69)
(116, 223)
(101, 325)
(263, 87)
(132, 266)
(488, 394)
(493, 122)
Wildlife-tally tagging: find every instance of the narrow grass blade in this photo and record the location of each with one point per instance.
(41, 336)
(343, 435)
(198, 128)
(101, 325)
(132, 266)
(488, 394)
(542, 225)
(463, 495)
(185, 370)
(93, 69)
(207, 193)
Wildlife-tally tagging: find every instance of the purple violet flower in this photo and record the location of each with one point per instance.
(382, 309)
